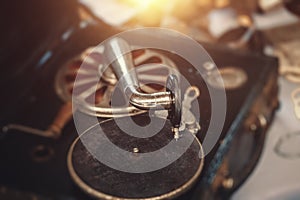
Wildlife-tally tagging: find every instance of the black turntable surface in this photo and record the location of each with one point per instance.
(102, 181)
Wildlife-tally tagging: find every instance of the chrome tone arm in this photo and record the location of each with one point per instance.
(117, 52)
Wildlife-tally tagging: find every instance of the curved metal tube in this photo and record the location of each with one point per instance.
(117, 52)
(147, 101)
(125, 72)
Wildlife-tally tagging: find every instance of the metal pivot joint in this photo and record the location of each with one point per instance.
(117, 52)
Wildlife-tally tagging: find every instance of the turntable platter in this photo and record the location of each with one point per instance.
(102, 181)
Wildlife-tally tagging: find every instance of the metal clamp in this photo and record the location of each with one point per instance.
(189, 120)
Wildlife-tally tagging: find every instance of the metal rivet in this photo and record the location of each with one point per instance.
(228, 183)
(135, 150)
(253, 127)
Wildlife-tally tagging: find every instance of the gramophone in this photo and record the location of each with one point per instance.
(69, 164)
(101, 172)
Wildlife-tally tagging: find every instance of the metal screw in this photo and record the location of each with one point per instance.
(176, 133)
(253, 127)
(136, 150)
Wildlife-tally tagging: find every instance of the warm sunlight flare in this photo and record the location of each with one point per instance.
(142, 4)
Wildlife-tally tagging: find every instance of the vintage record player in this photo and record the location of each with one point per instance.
(41, 154)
